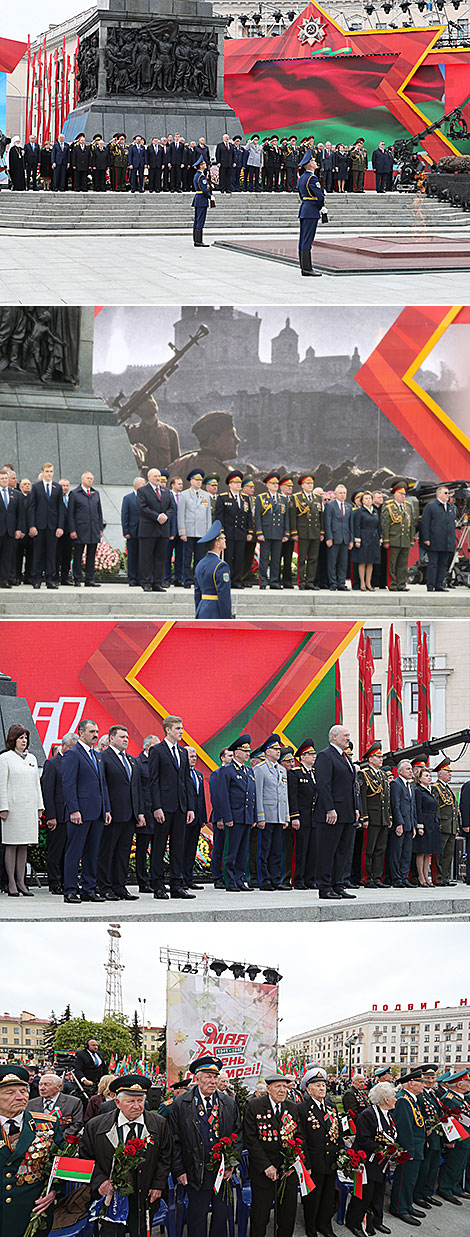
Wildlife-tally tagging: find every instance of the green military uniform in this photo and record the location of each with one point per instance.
(398, 532)
(411, 1135)
(211, 476)
(456, 1154)
(375, 813)
(431, 1108)
(359, 160)
(24, 1161)
(306, 523)
(449, 817)
(118, 161)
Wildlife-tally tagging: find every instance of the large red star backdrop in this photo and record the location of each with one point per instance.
(320, 78)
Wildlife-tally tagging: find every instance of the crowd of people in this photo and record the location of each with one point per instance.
(167, 164)
(291, 534)
(406, 1133)
(279, 819)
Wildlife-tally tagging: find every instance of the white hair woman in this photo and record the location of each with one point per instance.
(372, 1122)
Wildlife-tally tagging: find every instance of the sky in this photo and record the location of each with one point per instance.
(28, 17)
(330, 971)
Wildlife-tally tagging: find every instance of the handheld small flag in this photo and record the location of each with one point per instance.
(305, 1181)
(67, 1168)
(453, 1130)
(220, 1176)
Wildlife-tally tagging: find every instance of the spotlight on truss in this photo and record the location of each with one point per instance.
(252, 972)
(218, 966)
(237, 970)
(271, 976)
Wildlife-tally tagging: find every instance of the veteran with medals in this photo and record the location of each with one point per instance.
(454, 1168)
(432, 1110)
(322, 1138)
(198, 1120)
(411, 1135)
(25, 1150)
(398, 535)
(375, 813)
(212, 591)
(101, 1137)
(268, 1121)
(449, 820)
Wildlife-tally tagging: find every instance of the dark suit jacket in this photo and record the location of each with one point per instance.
(85, 790)
(438, 526)
(224, 154)
(32, 154)
(189, 1152)
(150, 506)
(80, 158)
(130, 515)
(367, 1128)
(335, 779)
(176, 154)
(13, 517)
(59, 156)
(338, 529)
(85, 1067)
(264, 1153)
(403, 805)
(85, 516)
(71, 1109)
(52, 790)
(96, 1145)
(170, 788)
(125, 796)
(200, 808)
(44, 512)
(154, 157)
(137, 157)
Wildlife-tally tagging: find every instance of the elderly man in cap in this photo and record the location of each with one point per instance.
(200, 202)
(234, 512)
(322, 1139)
(177, 1088)
(198, 1119)
(272, 806)
(25, 1145)
(272, 529)
(375, 813)
(312, 199)
(56, 1104)
(268, 1121)
(398, 535)
(455, 1098)
(194, 520)
(302, 798)
(432, 1109)
(411, 1135)
(212, 591)
(127, 1122)
(236, 797)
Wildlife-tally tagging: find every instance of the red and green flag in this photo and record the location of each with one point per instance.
(394, 693)
(69, 1168)
(338, 695)
(423, 670)
(366, 698)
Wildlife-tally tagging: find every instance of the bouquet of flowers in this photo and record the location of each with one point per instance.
(224, 1149)
(40, 1222)
(108, 562)
(128, 1157)
(389, 1149)
(291, 1151)
(352, 1164)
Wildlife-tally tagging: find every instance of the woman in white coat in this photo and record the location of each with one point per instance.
(20, 806)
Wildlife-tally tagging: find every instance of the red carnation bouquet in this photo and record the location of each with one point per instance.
(128, 1157)
(292, 1150)
(226, 1150)
(389, 1149)
(352, 1164)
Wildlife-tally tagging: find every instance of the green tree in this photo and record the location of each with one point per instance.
(50, 1034)
(242, 1094)
(113, 1035)
(136, 1031)
(161, 1050)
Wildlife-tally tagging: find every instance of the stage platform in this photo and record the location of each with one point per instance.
(364, 255)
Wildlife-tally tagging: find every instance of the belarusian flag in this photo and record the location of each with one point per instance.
(220, 1176)
(69, 1168)
(454, 1130)
(305, 1181)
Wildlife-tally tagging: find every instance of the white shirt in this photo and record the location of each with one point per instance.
(124, 1121)
(86, 749)
(5, 1121)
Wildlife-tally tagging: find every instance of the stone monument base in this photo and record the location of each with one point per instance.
(153, 117)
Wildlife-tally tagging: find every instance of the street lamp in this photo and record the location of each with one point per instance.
(349, 1045)
(142, 1002)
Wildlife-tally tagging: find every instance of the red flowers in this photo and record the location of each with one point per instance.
(72, 1140)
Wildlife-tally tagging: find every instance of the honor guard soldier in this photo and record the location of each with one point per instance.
(236, 518)
(411, 1135)
(398, 535)
(236, 798)
(212, 592)
(272, 807)
(311, 201)
(322, 1138)
(432, 1110)
(211, 485)
(102, 1134)
(198, 1119)
(302, 799)
(456, 1156)
(201, 199)
(268, 1122)
(375, 813)
(25, 1146)
(272, 529)
(306, 523)
(449, 819)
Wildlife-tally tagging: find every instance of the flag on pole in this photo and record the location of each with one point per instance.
(220, 1176)
(399, 693)
(67, 1168)
(338, 695)
(28, 83)
(56, 95)
(39, 116)
(394, 693)
(453, 1130)
(305, 1181)
(75, 74)
(366, 698)
(423, 674)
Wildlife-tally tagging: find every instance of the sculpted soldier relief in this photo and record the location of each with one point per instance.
(161, 58)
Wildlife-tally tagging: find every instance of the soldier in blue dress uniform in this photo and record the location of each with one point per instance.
(201, 199)
(236, 790)
(311, 200)
(212, 593)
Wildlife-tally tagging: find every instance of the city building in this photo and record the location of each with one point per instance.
(23, 1034)
(152, 1039)
(17, 81)
(402, 1038)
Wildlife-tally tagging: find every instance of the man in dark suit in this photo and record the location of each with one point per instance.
(175, 544)
(64, 544)
(90, 1066)
(86, 529)
(60, 163)
(88, 811)
(382, 163)
(46, 515)
(53, 1101)
(137, 162)
(339, 537)
(155, 508)
(403, 809)
(155, 164)
(225, 158)
(191, 834)
(130, 1119)
(438, 535)
(144, 836)
(130, 517)
(12, 527)
(56, 814)
(176, 158)
(127, 814)
(262, 1121)
(32, 155)
(335, 814)
(172, 796)
(80, 159)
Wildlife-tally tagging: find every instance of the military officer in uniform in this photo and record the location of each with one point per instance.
(306, 523)
(457, 1155)
(311, 200)
(236, 798)
(322, 1139)
(211, 485)
(194, 519)
(302, 798)
(272, 807)
(198, 1119)
(201, 199)
(398, 535)
(177, 1089)
(212, 593)
(286, 486)
(411, 1135)
(272, 529)
(355, 1099)
(235, 515)
(375, 813)
(432, 1110)
(25, 1144)
(449, 818)
(248, 491)
(287, 762)
(268, 1121)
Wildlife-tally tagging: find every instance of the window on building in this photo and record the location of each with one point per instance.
(375, 637)
(427, 1026)
(425, 627)
(377, 698)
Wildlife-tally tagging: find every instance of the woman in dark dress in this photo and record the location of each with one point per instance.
(367, 540)
(45, 165)
(16, 165)
(342, 166)
(428, 840)
(356, 499)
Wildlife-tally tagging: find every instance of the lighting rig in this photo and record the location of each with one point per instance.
(204, 964)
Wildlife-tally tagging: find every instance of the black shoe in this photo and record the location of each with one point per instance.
(463, 1194)
(220, 884)
(92, 584)
(419, 1215)
(13, 895)
(125, 896)
(55, 889)
(298, 885)
(161, 894)
(72, 897)
(450, 1198)
(111, 897)
(357, 1231)
(52, 586)
(193, 886)
(93, 897)
(420, 1202)
(77, 584)
(245, 888)
(330, 894)
(407, 1219)
(266, 888)
(158, 588)
(436, 1202)
(381, 1228)
(181, 893)
(341, 893)
(26, 893)
(145, 889)
(36, 585)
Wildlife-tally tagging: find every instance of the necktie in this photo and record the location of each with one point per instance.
(131, 1131)
(342, 511)
(126, 765)
(176, 756)
(13, 1129)
(159, 493)
(66, 500)
(278, 1112)
(193, 775)
(5, 497)
(88, 492)
(94, 761)
(48, 490)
